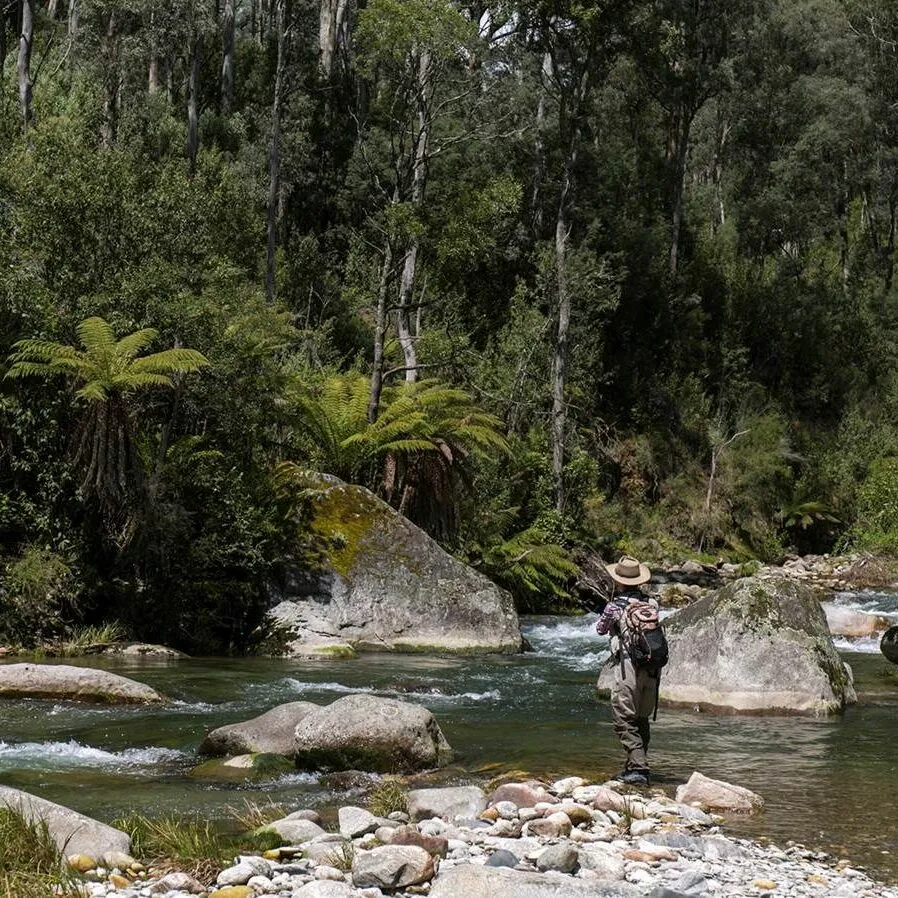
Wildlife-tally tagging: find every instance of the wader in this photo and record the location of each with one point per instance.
(634, 697)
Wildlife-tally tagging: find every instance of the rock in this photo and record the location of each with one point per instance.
(852, 623)
(325, 889)
(243, 871)
(438, 846)
(601, 861)
(566, 786)
(502, 858)
(453, 803)
(562, 857)
(499, 882)
(72, 832)
(243, 768)
(118, 859)
(609, 800)
(576, 813)
(145, 650)
(232, 892)
(392, 867)
(178, 882)
(81, 863)
(888, 645)
(549, 827)
(70, 683)
(524, 795)
(269, 733)
(367, 732)
(755, 645)
(642, 827)
(293, 831)
(385, 585)
(355, 822)
(717, 795)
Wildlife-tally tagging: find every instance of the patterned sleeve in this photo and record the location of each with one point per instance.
(610, 616)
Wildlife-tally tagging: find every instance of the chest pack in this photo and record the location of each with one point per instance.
(642, 636)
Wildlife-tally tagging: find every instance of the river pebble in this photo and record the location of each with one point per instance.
(664, 849)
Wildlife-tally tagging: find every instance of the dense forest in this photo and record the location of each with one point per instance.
(548, 276)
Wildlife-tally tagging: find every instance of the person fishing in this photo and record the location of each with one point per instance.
(638, 652)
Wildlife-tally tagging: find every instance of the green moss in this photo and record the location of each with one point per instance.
(261, 766)
(344, 518)
(333, 651)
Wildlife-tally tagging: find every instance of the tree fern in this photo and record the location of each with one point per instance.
(106, 372)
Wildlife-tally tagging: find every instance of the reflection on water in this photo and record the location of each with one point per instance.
(823, 780)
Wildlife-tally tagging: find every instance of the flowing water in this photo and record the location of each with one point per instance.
(828, 783)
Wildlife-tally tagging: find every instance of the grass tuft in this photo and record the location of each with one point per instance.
(31, 866)
(178, 843)
(389, 795)
(252, 815)
(83, 640)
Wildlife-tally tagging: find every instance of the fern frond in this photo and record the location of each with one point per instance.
(96, 336)
(171, 361)
(131, 345)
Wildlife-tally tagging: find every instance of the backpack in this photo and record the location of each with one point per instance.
(642, 636)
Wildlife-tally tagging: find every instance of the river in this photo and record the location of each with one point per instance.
(828, 783)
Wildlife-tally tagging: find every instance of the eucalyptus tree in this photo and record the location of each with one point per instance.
(579, 43)
(412, 52)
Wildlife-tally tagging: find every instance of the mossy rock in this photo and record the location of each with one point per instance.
(243, 768)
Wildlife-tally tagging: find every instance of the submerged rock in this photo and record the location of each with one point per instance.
(385, 585)
(366, 732)
(754, 646)
(853, 623)
(73, 833)
(67, 682)
(271, 733)
(243, 768)
(500, 882)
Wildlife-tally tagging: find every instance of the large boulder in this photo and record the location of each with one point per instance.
(67, 682)
(271, 733)
(716, 795)
(72, 832)
(365, 732)
(384, 585)
(754, 646)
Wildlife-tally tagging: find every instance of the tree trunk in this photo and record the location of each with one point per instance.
(73, 18)
(153, 74)
(193, 115)
(539, 174)
(274, 155)
(683, 125)
(331, 16)
(227, 66)
(560, 355)
(26, 38)
(844, 245)
(52, 7)
(890, 245)
(109, 128)
(380, 331)
(419, 182)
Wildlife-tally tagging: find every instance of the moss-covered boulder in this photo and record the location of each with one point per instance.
(754, 646)
(379, 583)
(366, 732)
(67, 682)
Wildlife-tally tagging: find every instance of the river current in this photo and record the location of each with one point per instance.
(828, 783)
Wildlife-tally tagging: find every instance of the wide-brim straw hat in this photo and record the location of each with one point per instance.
(629, 572)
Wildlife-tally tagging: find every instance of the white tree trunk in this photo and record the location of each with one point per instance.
(26, 39)
(332, 14)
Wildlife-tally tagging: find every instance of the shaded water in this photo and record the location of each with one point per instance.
(828, 783)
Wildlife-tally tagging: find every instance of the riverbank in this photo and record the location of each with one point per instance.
(564, 839)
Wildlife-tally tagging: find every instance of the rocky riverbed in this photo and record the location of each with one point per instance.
(525, 840)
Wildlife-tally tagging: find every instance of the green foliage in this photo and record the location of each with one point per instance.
(389, 795)
(39, 594)
(31, 865)
(534, 570)
(190, 844)
(877, 524)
